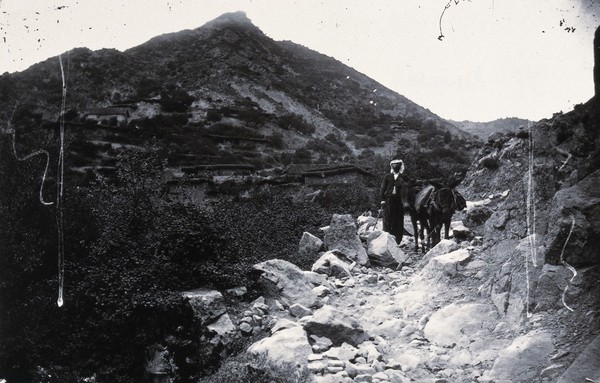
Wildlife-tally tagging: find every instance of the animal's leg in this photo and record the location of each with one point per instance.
(413, 219)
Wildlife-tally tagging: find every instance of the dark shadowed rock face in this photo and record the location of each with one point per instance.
(575, 236)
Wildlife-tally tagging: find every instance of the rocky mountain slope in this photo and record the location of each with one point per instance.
(196, 91)
(482, 130)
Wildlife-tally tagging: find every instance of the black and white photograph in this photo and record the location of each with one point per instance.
(300, 191)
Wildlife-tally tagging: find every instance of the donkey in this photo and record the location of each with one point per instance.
(441, 206)
(415, 205)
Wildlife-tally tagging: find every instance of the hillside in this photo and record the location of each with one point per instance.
(482, 130)
(274, 141)
(196, 91)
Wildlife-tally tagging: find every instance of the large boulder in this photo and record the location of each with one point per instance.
(342, 235)
(335, 325)
(333, 263)
(383, 250)
(524, 359)
(284, 349)
(286, 282)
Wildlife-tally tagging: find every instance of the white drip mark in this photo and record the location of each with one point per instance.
(530, 216)
(571, 268)
(60, 190)
(25, 158)
(531, 213)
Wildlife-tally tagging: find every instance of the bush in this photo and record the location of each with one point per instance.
(175, 99)
(490, 163)
(293, 121)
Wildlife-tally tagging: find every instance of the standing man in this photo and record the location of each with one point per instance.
(391, 200)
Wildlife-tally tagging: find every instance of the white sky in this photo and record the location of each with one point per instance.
(499, 58)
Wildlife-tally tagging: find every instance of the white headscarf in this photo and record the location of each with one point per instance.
(393, 162)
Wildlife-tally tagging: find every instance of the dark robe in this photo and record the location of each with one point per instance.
(393, 211)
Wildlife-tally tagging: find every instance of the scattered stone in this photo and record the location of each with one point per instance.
(336, 325)
(309, 246)
(245, 328)
(447, 264)
(224, 328)
(299, 311)
(344, 352)
(322, 291)
(363, 378)
(461, 232)
(320, 343)
(316, 367)
(237, 291)
(207, 305)
(334, 264)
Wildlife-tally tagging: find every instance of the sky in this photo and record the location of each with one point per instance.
(496, 59)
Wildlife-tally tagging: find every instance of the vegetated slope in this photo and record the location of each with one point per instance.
(228, 79)
(482, 130)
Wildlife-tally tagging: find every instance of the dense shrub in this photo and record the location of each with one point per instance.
(293, 121)
(175, 99)
(490, 163)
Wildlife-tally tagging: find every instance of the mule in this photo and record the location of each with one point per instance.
(442, 204)
(414, 203)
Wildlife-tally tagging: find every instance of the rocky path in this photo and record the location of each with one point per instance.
(429, 320)
(423, 327)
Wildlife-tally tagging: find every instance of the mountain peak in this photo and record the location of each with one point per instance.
(231, 18)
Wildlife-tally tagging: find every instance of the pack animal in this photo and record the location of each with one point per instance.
(414, 200)
(442, 204)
